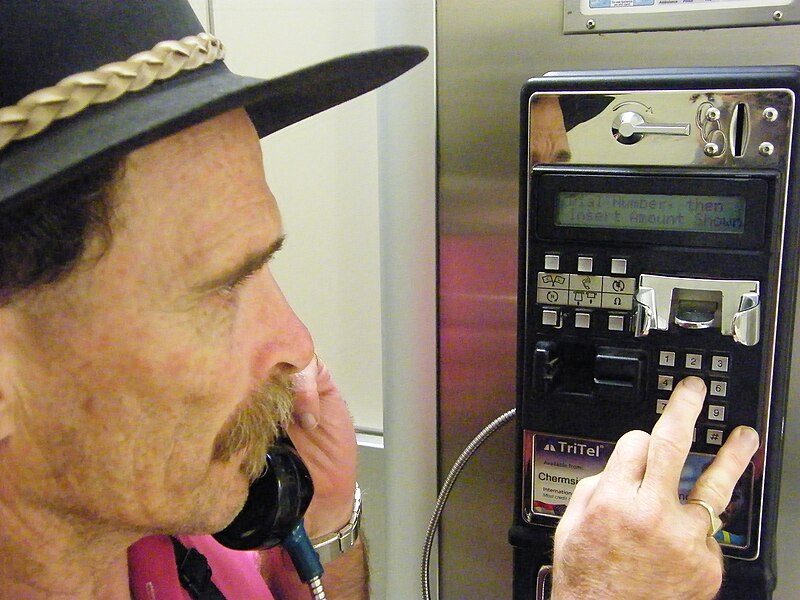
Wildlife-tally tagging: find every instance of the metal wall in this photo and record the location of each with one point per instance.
(485, 52)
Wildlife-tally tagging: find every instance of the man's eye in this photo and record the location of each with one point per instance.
(233, 287)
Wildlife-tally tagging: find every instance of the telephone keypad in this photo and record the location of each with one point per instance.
(692, 362)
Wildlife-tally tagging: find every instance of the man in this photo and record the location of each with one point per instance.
(146, 350)
(147, 356)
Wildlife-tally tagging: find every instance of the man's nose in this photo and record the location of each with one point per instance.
(289, 347)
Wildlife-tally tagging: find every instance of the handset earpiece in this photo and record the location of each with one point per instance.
(275, 503)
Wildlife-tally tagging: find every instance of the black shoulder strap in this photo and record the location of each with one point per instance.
(194, 573)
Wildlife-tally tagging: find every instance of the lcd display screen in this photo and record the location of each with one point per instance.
(651, 212)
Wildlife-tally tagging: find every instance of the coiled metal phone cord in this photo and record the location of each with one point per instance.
(455, 471)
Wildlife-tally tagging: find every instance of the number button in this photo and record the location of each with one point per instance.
(665, 383)
(719, 364)
(666, 359)
(716, 412)
(718, 388)
(660, 406)
(694, 361)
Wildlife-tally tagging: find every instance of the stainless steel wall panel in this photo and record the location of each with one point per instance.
(485, 52)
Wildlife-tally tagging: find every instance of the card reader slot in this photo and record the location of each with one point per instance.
(583, 371)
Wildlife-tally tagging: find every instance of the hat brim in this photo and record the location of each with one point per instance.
(73, 147)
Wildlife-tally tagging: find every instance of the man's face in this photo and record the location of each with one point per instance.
(548, 141)
(133, 372)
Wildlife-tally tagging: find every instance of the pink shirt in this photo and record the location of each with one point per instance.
(153, 572)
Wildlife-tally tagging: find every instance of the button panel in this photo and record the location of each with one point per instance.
(591, 295)
(592, 286)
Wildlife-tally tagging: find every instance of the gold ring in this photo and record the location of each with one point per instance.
(716, 523)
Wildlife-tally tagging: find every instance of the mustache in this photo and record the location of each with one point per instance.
(256, 426)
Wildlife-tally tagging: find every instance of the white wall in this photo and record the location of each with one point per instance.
(324, 174)
(356, 186)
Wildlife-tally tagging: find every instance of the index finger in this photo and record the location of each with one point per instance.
(672, 436)
(305, 388)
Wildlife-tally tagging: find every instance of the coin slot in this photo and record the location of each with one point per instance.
(740, 128)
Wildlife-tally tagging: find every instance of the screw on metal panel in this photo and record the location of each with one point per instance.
(777, 15)
(770, 114)
(712, 114)
(711, 149)
(590, 24)
(766, 149)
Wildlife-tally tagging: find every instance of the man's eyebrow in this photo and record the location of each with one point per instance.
(251, 263)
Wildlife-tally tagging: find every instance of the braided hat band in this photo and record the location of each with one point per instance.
(38, 110)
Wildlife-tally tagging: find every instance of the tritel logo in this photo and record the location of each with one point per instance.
(578, 448)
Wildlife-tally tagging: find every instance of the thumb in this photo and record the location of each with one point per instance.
(576, 508)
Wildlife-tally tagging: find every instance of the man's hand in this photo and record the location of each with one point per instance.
(626, 535)
(324, 436)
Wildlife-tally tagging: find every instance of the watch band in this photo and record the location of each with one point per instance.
(333, 545)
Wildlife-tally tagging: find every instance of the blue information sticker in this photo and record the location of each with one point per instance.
(560, 462)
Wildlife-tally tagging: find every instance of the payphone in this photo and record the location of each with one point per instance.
(658, 239)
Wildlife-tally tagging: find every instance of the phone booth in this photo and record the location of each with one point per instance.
(658, 239)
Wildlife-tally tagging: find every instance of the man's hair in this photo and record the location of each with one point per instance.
(42, 240)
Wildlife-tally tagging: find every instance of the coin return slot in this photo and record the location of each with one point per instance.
(696, 309)
(659, 300)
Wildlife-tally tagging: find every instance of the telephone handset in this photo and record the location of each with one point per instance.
(271, 515)
(275, 504)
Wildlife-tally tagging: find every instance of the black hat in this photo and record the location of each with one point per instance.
(135, 72)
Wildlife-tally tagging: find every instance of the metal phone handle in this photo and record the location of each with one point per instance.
(632, 125)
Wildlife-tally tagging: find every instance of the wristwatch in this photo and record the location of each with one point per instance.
(332, 546)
